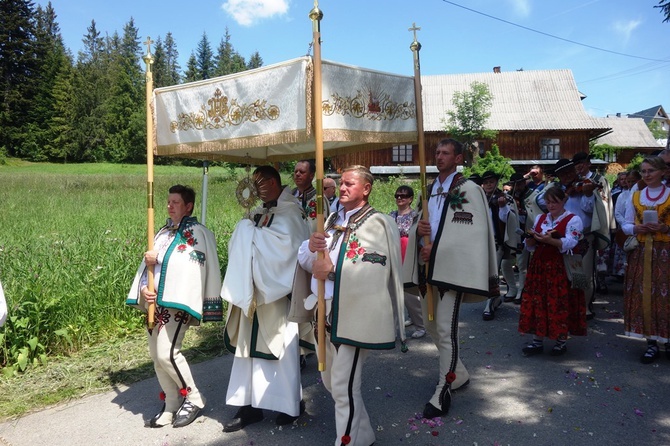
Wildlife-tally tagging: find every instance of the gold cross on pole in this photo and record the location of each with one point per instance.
(414, 28)
(148, 43)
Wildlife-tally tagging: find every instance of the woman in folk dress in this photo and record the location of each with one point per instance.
(646, 301)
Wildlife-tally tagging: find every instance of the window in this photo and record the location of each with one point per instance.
(550, 149)
(610, 157)
(402, 154)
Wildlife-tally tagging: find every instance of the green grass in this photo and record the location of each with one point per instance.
(73, 236)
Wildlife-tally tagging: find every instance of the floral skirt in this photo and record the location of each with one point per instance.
(549, 307)
(658, 325)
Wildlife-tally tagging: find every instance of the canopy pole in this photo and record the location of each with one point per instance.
(205, 188)
(316, 15)
(148, 61)
(415, 46)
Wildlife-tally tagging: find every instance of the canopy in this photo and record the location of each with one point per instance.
(265, 115)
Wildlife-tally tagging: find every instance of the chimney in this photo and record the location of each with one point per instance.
(496, 69)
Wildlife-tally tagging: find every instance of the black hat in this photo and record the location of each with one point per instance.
(475, 178)
(581, 157)
(516, 177)
(560, 165)
(490, 174)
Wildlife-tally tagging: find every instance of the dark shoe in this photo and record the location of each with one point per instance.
(303, 362)
(667, 350)
(155, 423)
(507, 298)
(431, 412)
(532, 350)
(590, 316)
(186, 414)
(492, 306)
(650, 355)
(558, 350)
(602, 289)
(284, 419)
(517, 301)
(245, 416)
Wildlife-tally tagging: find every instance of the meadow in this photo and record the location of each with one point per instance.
(72, 239)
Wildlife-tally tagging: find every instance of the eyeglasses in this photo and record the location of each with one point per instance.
(648, 171)
(329, 187)
(401, 196)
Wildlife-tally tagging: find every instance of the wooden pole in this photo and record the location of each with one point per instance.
(148, 61)
(316, 15)
(416, 47)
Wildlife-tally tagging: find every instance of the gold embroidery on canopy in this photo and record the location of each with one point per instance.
(222, 112)
(376, 106)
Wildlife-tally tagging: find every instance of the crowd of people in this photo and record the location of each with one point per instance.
(551, 236)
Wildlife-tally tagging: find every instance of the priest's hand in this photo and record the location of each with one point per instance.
(423, 230)
(149, 296)
(317, 242)
(322, 267)
(425, 252)
(151, 257)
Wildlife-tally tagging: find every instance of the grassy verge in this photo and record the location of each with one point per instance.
(96, 369)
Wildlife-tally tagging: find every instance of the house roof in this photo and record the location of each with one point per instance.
(628, 132)
(650, 114)
(522, 100)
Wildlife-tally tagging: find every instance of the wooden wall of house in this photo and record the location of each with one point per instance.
(519, 145)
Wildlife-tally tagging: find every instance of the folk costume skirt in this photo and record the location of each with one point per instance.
(658, 310)
(549, 307)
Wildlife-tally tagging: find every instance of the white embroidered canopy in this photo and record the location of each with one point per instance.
(265, 114)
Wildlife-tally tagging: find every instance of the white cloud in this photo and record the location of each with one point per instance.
(626, 28)
(248, 12)
(521, 7)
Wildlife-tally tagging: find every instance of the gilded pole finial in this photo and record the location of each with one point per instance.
(415, 45)
(316, 15)
(148, 58)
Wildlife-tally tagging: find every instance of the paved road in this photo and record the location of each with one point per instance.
(597, 394)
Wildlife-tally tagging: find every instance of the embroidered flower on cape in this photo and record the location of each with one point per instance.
(354, 249)
(456, 200)
(181, 247)
(310, 210)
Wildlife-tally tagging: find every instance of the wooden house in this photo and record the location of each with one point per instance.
(538, 115)
(631, 135)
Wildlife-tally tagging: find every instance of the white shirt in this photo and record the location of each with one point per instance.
(436, 203)
(306, 257)
(629, 222)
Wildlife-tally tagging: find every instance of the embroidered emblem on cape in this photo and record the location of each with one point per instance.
(456, 200)
(374, 257)
(462, 217)
(310, 210)
(354, 249)
(198, 257)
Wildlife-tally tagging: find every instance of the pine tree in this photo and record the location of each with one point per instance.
(255, 61)
(52, 59)
(160, 64)
(18, 66)
(192, 73)
(204, 58)
(172, 60)
(90, 85)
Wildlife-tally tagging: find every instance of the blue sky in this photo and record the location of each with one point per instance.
(629, 72)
